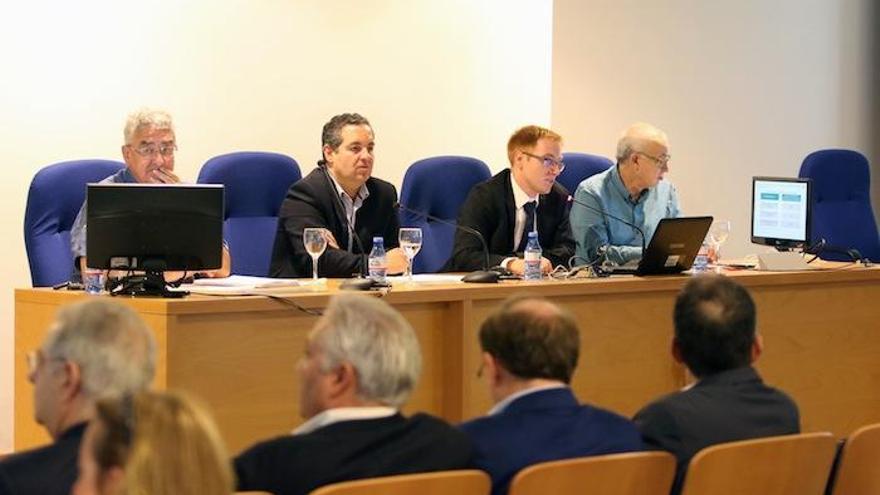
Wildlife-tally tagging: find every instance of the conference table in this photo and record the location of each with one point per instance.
(821, 332)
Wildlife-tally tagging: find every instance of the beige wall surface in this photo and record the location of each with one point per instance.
(451, 77)
(742, 88)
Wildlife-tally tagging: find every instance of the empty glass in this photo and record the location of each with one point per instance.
(315, 241)
(411, 242)
(718, 234)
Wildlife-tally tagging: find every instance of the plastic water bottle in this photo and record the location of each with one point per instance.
(532, 257)
(701, 261)
(378, 262)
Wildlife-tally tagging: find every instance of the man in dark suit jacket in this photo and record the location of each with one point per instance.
(97, 348)
(340, 196)
(516, 201)
(715, 338)
(361, 362)
(530, 351)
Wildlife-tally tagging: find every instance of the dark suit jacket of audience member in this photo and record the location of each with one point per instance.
(49, 470)
(544, 426)
(489, 208)
(348, 450)
(725, 407)
(313, 202)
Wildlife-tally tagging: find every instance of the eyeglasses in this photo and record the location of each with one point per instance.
(150, 150)
(662, 161)
(35, 359)
(548, 161)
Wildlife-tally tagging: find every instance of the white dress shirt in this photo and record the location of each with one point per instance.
(350, 205)
(520, 198)
(340, 414)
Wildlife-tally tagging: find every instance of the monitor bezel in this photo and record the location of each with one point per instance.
(778, 243)
(209, 210)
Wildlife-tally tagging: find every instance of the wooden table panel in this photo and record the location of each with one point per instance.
(821, 333)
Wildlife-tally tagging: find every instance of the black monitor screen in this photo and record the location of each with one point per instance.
(781, 211)
(154, 227)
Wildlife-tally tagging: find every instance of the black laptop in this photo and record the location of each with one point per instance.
(672, 248)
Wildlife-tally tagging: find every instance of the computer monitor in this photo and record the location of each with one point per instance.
(154, 227)
(781, 211)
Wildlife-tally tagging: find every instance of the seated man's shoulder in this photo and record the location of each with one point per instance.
(434, 426)
(40, 466)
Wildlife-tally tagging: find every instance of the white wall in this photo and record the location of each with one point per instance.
(743, 88)
(451, 77)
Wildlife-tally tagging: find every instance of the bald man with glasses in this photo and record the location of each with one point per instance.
(633, 190)
(518, 200)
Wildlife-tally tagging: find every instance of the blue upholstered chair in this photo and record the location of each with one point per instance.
(579, 166)
(438, 186)
(56, 194)
(256, 183)
(842, 213)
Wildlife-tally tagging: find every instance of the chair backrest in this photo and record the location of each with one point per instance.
(579, 166)
(783, 465)
(842, 213)
(462, 482)
(438, 186)
(256, 183)
(636, 473)
(859, 470)
(56, 194)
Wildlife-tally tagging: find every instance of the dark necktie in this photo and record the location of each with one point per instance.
(528, 226)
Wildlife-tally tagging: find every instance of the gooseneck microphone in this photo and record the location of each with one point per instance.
(608, 215)
(484, 276)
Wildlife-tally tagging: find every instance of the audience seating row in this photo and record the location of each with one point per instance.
(256, 183)
(784, 465)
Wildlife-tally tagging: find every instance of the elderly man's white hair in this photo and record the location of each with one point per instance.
(146, 117)
(377, 341)
(633, 139)
(112, 345)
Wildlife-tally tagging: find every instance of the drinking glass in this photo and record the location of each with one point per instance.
(411, 242)
(718, 234)
(316, 242)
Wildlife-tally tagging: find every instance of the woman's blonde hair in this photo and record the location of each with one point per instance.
(165, 442)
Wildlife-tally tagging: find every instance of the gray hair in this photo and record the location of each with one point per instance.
(112, 345)
(633, 139)
(377, 341)
(146, 117)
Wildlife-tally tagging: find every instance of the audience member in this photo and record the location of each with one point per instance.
(343, 197)
(149, 159)
(633, 190)
(361, 363)
(530, 351)
(96, 348)
(715, 338)
(521, 199)
(155, 443)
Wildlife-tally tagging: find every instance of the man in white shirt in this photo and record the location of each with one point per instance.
(361, 362)
(521, 199)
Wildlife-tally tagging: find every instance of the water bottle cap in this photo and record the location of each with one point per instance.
(533, 235)
(378, 239)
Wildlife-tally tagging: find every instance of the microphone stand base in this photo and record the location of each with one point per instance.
(481, 277)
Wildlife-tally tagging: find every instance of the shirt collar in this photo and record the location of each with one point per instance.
(339, 414)
(519, 196)
(362, 194)
(617, 180)
(502, 405)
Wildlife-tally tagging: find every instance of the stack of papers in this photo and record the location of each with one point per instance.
(239, 285)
